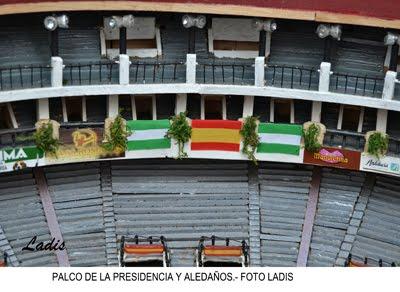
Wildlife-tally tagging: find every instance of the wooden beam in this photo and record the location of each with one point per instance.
(51, 217)
(309, 218)
(220, 9)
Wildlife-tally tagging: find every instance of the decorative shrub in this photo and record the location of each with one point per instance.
(250, 137)
(181, 131)
(377, 144)
(310, 135)
(117, 138)
(45, 140)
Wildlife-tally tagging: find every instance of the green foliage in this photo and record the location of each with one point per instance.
(117, 138)
(44, 139)
(311, 138)
(378, 144)
(250, 137)
(181, 131)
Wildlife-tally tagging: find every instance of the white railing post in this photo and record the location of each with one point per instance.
(389, 85)
(124, 69)
(191, 68)
(324, 77)
(323, 86)
(56, 72)
(259, 66)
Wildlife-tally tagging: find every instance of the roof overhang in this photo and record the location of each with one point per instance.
(359, 12)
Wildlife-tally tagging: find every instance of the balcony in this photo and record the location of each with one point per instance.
(292, 77)
(206, 76)
(23, 77)
(225, 73)
(142, 72)
(25, 136)
(357, 85)
(90, 73)
(17, 137)
(356, 141)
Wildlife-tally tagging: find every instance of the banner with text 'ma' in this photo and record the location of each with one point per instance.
(148, 139)
(18, 158)
(280, 142)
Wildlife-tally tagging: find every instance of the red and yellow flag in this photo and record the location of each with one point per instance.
(217, 135)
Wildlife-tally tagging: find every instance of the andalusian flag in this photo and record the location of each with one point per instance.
(279, 138)
(147, 135)
(218, 135)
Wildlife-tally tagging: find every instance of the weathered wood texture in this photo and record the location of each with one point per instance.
(254, 216)
(108, 214)
(356, 218)
(339, 191)
(6, 247)
(309, 217)
(22, 217)
(181, 200)
(97, 203)
(78, 202)
(284, 191)
(379, 234)
(51, 217)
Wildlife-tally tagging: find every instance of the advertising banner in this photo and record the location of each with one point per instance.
(334, 157)
(80, 145)
(386, 164)
(19, 158)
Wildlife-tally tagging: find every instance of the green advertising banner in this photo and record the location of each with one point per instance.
(19, 158)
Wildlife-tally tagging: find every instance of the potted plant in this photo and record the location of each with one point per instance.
(377, 143)
(115, 135)
(251, 139)
(180, 131)
(47, 136)
(313, 135)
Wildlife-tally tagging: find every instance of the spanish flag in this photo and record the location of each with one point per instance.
(217, 135)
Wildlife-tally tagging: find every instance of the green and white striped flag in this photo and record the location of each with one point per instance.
(148, 135)
(279, 138)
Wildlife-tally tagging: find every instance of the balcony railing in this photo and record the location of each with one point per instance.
(70, 125)
(91, 73)
(357, 85)
(394, 146)
(25, 136)
(17, 137)
(21, 77)
(396, 95)
(237, 72)
(292, 77)
(225, 73)
(356, 141)
(161, 72)
(344, 139)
